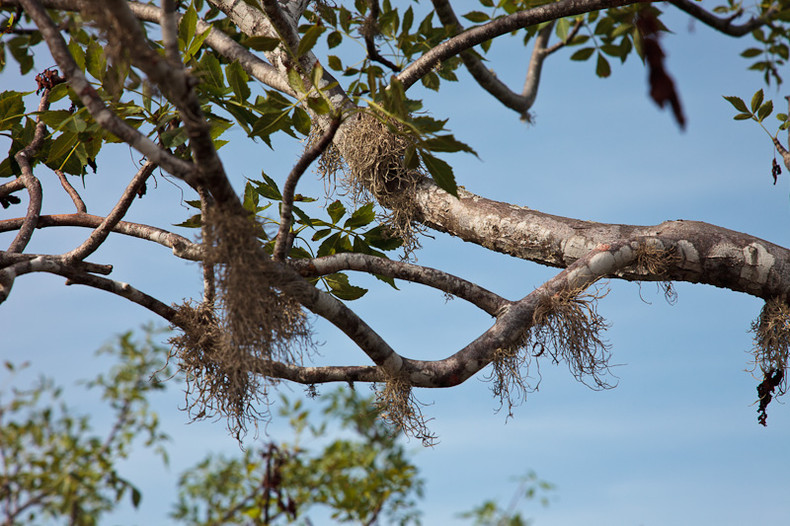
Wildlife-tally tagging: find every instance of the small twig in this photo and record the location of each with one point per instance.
(281, 246)
(369, 32)
(75, 197)
(209, 287)
(571, 35)
(99, 235)
(724, 25)
(8, 258)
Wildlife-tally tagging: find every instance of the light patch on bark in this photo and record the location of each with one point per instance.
(689, 254)
(575, 247)
(758, 263)
(727, 251)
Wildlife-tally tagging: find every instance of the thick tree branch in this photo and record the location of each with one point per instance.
(724, 25)
(181, 246)
(466, 290)
(100, 113)
(98, 236)
(500, 26)
(282, 245)
(704, 253)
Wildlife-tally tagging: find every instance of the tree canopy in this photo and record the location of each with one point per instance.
(169, 80)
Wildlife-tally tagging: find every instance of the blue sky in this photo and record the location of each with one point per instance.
(677, 442)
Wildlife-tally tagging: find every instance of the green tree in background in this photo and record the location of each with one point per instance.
(57, 469)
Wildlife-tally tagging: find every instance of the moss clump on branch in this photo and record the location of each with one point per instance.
(374, 155)
(509, 376)
(655, 261)
(567, 326)
(225, 348)
(771, 348)
(397, 405)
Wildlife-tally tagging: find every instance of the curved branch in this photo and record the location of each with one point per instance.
(77, 276)
(75, 197)
(466, 290)
(98, 236)
(30, 181)
(181, 246)
(500, 26)
(100, 113)
(282, 245)
(724, 25)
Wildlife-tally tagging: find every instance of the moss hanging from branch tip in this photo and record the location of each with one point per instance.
(397, 405)
(771, 348)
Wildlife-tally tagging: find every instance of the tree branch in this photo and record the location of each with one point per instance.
(500, 26)
(30, 181)
(101, 232)
(181, 246)
(101, 114)
(75, 197)
(466, 290)
(282, 245)
(724, 25)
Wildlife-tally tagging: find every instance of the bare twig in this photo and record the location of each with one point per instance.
(282, 26)
(466, 290)
(75, 197)
(281, 246)
(8, 258)
(101, 232)
(209, 282)
(369, 32)
(181, 246)
(169, 23)
(724, 25)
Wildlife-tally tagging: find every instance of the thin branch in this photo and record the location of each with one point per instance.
(90, 98)
(77, 276)
(466, 290)
(539, 54)
(724, 25)
(8, 258)
(782, 151)
(571, 35)
(181, 246)
(209, 282)
(369, 32)
(101, 232)
(169, 22)
(75, 197)
(479, 34)
(30, 181)
(281, 246)
(282, 26)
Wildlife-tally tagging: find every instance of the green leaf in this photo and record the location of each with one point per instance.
(446, 143)
(743, 116)
(250, 198)
(362, 216)
(441, 172)
(187, 27)
(477, 17)
(431, 81)
(211, 72)
(318, 105)
(562, 27)
(341, 288)
(602, 68)
(781, 117)
(301, 121)
(751, 52)
(583, 53)
(261, 43)
(765, 110)
(334, 63)
(738, 103)
(193, 222)
(321, 234)
(238, 80)
(309, 39)
(136, 497)
(295, 81)
(76, 51)
(12, 109)
(268, 188)
(336, 211)
(334, 39)
(96, 61)
(757, 100)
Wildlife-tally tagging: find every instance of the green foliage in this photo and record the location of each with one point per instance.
(361, 478)
(757, 110)
(54, 466)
